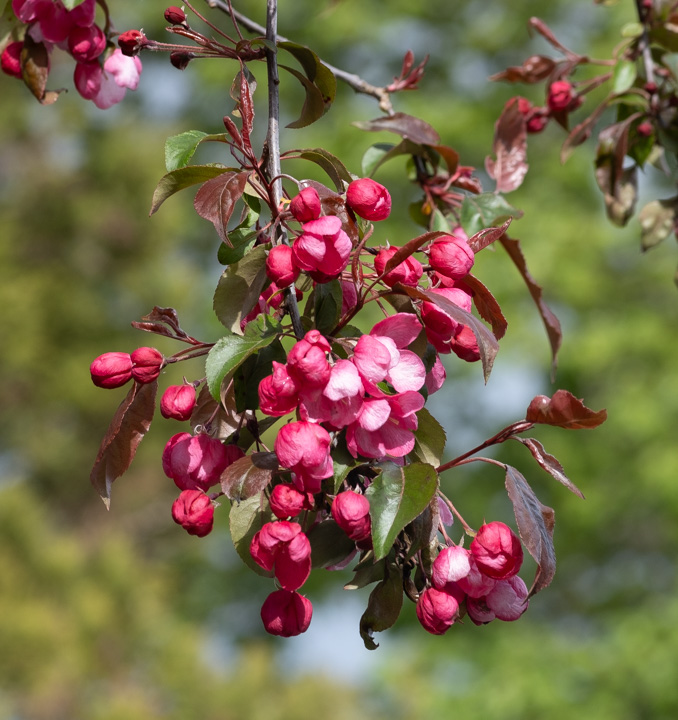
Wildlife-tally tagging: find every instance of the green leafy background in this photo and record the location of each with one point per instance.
(121, 615)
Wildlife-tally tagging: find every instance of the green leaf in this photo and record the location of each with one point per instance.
(623, 76)
(430, 439)
(320, 75)
(245, 519)
(486, 210)
(440, 223)
(373, 157)
(367, 574)
(183, 178)
(343, 461)
(384, 605)
(242, 242)
(179, 149)
(70, 4)
(397, 495)
(239, 288)
(314, 107)
(327, 305)
(329, 544)
(232, 350)
(631, 30)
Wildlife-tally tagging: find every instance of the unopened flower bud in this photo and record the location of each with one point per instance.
(369, 199)
(278, 393)
(497, 551)
(306, 205)
(351, 512)
(451, 256)
(437, 610)
(286, 501)
(283, 547)
(111, 370)
(10, 60)
(86, 43)
(130, 42)
(645, 129)
(280, 266)
(147, 363)
(451, 565)
(175, 15)
(407, 272)
(178, 402)
(286, 613)
(180, 59)
(196, 462)
(194, 511)
(560, 95)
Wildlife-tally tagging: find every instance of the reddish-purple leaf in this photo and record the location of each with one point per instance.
(563, 410)
(487, 306)
(35, 70)
(487, 236)
(533, 70)
(130, 423)
(246, 106)
(216, 200)
(249, 475)
(581, 132)
(449, 155)
(551, 322)
(487, 344)
(550, 464)
(163, 321)
(510, 149)
(535, 526)
(411, 247)
(411, 128)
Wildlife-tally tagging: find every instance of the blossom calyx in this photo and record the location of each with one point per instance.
(286, 613)
(368, 199)
(111, 370)
(194, 511)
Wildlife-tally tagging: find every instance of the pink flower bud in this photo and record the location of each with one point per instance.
(147, 363)
(351, 511)
(437, 610)
(323, 249)
(10, 61)
(560, 95)
(407, 272)
(451, 565)
(451, 256)
(131, 42)
(178, 402)
(369, 199)
(278, 393)
(308, 364)
(435, 378)
(537, 120)
(280, 265)
(475, 584)
(175, 15)
(283, 547)
(508, 599)
(88, 78)
(194, 511)
(441, 327)
(86, 43)
(286, 613)
(111, 370)
(645, 129)
(286, 501)
(306, 205)
(304, 448)
(180, 59)
(196, 462)
(465, 345)
(497, 551)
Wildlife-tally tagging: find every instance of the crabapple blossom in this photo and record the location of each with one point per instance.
(368, 199)
(280, 266)
(306, 205)
(86, 43)
(476, 584)
(175, 15)
(177, 402)
(408, 272)
(286, 501)
(497, 551)
(147, 363)
(279, 392)
(451, 565)
(451, 256)
(307, 361)
(437, 610)
(560, 95)
(197, 461)
(286, 613)
(351, 511)
(323, 249)
(194, 511)
(304, 448)
(10, 60)
(283, 548)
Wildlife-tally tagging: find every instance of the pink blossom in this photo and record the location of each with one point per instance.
(508, 599)
(339, 402)
(451, 256)
(306, 205)
(111, 370)
(323, 249)
(280, 266)
(476, 584)
(437, 610)
(441, 327)
(560, 96)
(286, 613)
(465, 345)
(10, 61)
(278, 393)
(286, 501)
(177, 402)
(307, 361)
(351, 511)
(304, 448)
(196, 462)
(368, 199)
(408, 272)
(451, 565)
(435, 378)
(86, 43)
(194, 511)
(120, 73)
(497, 551)
(147, 363)
(283, 547)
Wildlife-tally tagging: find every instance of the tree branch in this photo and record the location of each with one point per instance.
(353, 81)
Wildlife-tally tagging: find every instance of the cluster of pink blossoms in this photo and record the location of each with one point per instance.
(101, 74)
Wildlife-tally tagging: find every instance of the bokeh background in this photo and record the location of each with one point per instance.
(121, 615)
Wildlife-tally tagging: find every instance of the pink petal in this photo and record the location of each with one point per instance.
(344, 381)
(373, 414)
(408, 374)
(402, 328)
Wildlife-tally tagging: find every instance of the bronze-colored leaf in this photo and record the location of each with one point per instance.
(411, 128)
(216, 199)
(510, 149)
(533, 70)
(487, 306)
(35, 70)
(249, 475)
(563, 410)
(550, 464)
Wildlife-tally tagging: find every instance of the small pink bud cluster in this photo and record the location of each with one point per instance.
(100, 77)
(485, 578)
(114, 369)
(560, 98)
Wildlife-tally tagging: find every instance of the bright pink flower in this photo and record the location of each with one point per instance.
(278, 393)
(408, 272)
(307, 361)
(368, 199)
(508, 599)
(323, 249)
(10, 61)
(451, 256)
(349, 296)
(560, 95)
(441, 327)
(147, 363)
(111, 370)
(306, 205)
(283, 548)
(497, 551)
(120, 73)
(437, 610)
(27, 10)
(87, 78)
(451, 565)
(465, 345)
(339, 402)
(304, 448)
(280, 265)
(83, 14)
(177, 402)
(435, 378)
(351, 511)
(56, 23)
(536, 118)
(478, 611)
(196, 462)
(286, 501)
(194, 511)
(86, 43)
(286, 613)
(476, 584)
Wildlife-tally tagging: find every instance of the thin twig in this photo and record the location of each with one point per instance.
(353, 81)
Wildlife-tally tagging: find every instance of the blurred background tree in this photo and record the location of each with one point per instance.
(121, 614)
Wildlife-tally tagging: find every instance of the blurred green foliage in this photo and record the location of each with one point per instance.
(118, 616)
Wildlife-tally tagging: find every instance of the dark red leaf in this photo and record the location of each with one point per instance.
(550, 464)
(581, 132)
(449, 155)
(551, 322)
(130, 423)
(246, 108)
(535, 526)
(510, 149)
(216, 200)
(411, 128)
(564, 410)
(487, 236)
(487, 306)
(249, 475)
(35, 70)
(533, 70)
